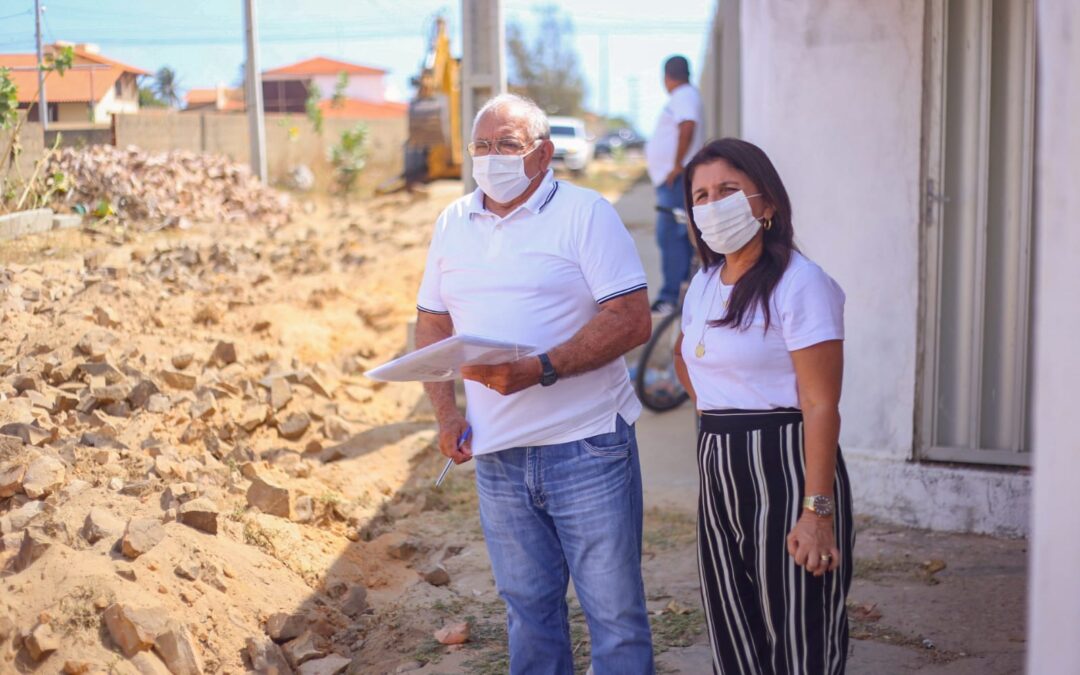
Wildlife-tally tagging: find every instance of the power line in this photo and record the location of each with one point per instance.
(335, 35)
(48, 28)
(17, 14)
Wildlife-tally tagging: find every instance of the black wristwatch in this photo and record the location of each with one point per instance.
(548, 376)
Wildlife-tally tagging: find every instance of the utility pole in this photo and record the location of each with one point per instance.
(43, 104)
(604, 76)
(483, 69)
(253, 95)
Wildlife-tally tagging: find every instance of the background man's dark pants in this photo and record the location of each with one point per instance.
(674, 241)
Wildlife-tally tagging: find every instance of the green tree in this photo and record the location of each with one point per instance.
(167, 86)
(348, 158)
(9, 100)
(312, 109)
(547, 70)
(148, 99)
(339, 90)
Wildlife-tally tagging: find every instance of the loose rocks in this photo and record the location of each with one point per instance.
(199, 513)
(141, 535)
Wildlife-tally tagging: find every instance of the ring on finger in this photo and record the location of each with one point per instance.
(825, 557)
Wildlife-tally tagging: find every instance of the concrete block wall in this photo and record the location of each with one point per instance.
(158, 132)
(32, 142)
(290, 140)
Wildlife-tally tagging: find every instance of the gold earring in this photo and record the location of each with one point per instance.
(768, 224)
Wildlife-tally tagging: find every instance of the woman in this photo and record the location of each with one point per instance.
(761, 352)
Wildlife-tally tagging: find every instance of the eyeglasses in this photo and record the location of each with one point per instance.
(501, 146)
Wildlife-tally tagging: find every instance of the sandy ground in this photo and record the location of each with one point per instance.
(331, 296)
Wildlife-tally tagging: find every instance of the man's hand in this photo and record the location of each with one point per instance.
(672, 175)
(506, 378)
(450, 430)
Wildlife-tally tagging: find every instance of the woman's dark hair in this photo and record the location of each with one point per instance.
(756, 285)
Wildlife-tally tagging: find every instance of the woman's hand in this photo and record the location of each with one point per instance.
(811, 540)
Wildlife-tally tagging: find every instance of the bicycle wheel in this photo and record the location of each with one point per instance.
(657, 385)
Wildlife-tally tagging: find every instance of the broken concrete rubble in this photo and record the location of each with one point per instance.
(199, 513)
(170, 187)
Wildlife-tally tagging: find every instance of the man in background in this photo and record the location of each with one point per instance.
(678, 136)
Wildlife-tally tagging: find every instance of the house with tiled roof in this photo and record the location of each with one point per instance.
(220, 98)
(286, 90)
(93, 90)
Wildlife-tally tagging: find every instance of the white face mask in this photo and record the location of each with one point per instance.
(727, 224)
(501, 177)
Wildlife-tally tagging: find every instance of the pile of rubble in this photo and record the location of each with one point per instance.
(68, 423)
(156, 444)
(169, 187)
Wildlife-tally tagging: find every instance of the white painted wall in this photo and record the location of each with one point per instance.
(363, 87)
(111, 104)
(832, 92)
(1053, 648)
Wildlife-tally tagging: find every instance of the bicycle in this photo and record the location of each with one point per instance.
(655, 380)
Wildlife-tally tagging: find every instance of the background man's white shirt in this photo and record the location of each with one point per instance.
(683, 105)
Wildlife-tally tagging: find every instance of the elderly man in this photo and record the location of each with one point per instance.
(533, 260)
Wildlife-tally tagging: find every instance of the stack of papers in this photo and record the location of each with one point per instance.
(442, 361)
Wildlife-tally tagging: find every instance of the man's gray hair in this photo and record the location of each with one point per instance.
(536, 122)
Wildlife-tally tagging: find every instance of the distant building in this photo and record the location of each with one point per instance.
(93, 90)
(286, 90)
(220, 98)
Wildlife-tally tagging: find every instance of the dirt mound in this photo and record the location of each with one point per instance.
(190, 458)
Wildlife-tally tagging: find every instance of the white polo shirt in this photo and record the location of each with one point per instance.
(535, 277)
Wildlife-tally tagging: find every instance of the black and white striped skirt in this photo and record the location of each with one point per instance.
(766, 615)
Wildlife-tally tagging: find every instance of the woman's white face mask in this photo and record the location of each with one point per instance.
(727, 224)
(502, 177)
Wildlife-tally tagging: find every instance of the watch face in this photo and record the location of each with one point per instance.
(823, 506)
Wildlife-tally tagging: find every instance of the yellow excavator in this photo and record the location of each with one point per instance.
(433, 149)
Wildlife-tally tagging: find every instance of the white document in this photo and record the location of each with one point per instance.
(443, 360)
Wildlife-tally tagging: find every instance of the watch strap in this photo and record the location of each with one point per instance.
(548, 376)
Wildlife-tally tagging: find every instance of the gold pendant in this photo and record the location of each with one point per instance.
(699, 351)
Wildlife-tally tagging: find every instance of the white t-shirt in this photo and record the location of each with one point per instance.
(535, 277)
(752, 369)
(683, 105)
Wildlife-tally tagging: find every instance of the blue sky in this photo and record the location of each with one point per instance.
(202, 39)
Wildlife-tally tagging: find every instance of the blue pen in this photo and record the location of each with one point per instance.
(465, 436)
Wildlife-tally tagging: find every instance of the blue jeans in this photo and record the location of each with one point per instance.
(673, 240)
(571, 511)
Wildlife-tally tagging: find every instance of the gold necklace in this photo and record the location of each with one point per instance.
(699, 351)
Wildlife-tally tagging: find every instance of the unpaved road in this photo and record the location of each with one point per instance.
(314, 303)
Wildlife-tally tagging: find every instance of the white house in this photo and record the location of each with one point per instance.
(286, 89)
(91, 91)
